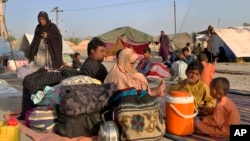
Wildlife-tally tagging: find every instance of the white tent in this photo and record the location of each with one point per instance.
(238, 40)
(24, 43)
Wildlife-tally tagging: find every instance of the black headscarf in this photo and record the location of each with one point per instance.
(40, 29)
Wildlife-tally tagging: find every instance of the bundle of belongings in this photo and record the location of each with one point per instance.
(64, 102)
(71, 104)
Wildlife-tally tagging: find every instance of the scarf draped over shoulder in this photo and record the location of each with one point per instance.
(124, 74)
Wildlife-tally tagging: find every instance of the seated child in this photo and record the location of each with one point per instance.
(225, 113)
(189, 57)
(145, 63)
(195, 86)
(178, 68)
(76, 61)
(209, 69)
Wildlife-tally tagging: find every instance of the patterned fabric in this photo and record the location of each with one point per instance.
(159, 71)
(85, 98)
(81, 79)
(41, 118)
(139, 116)
(41, 78)
(49, 96)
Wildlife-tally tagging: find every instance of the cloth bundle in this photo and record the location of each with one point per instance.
(139, 115)
(80, 108)
(41, 118)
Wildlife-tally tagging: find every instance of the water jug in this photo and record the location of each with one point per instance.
(10, 130)
(180, 113)
(108, 131)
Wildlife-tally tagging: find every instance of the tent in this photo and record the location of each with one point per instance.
(233, 40)
(125, 37)
(24, 43)
(177, 41)
(4, 46)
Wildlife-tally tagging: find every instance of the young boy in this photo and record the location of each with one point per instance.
(195, 86)
(145, 63)
(209, 69)
(190, 57)
(225, 112)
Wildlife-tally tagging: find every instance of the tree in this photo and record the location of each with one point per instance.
(12, 38)
(246, 24)
(75, 41)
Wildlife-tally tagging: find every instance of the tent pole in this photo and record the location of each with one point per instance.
(8, 39)
(174, 18)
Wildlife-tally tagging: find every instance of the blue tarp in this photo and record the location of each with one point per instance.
(230, 55)
(4, 46)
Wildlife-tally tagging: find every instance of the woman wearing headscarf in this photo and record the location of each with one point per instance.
(124, 74)
(46, 47)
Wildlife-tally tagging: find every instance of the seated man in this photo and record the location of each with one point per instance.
(93, 66)
(145, 63)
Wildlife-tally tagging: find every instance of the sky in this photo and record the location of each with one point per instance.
(89, 18)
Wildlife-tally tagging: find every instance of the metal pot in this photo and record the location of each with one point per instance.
(108, 131)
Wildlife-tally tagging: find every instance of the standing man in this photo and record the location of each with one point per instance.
(164, 46)
(93, 66)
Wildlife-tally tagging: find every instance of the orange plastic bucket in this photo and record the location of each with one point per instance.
(180, 113)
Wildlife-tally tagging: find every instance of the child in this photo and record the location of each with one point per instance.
(190, 57)
(225, 112)
(178, 68)
(209, 69)
(195, 86)
(76, 61)
(145, 63)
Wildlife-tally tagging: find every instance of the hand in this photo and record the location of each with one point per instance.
(162, 88)
(216, 59)
(207, 110)
(44, 35)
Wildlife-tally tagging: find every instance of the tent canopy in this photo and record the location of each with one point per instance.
(24, 43)
(125, 37)
(126, 32)
(236, 39)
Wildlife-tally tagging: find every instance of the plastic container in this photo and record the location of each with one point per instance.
(10, 130)
(180, 113)
(239, 60)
